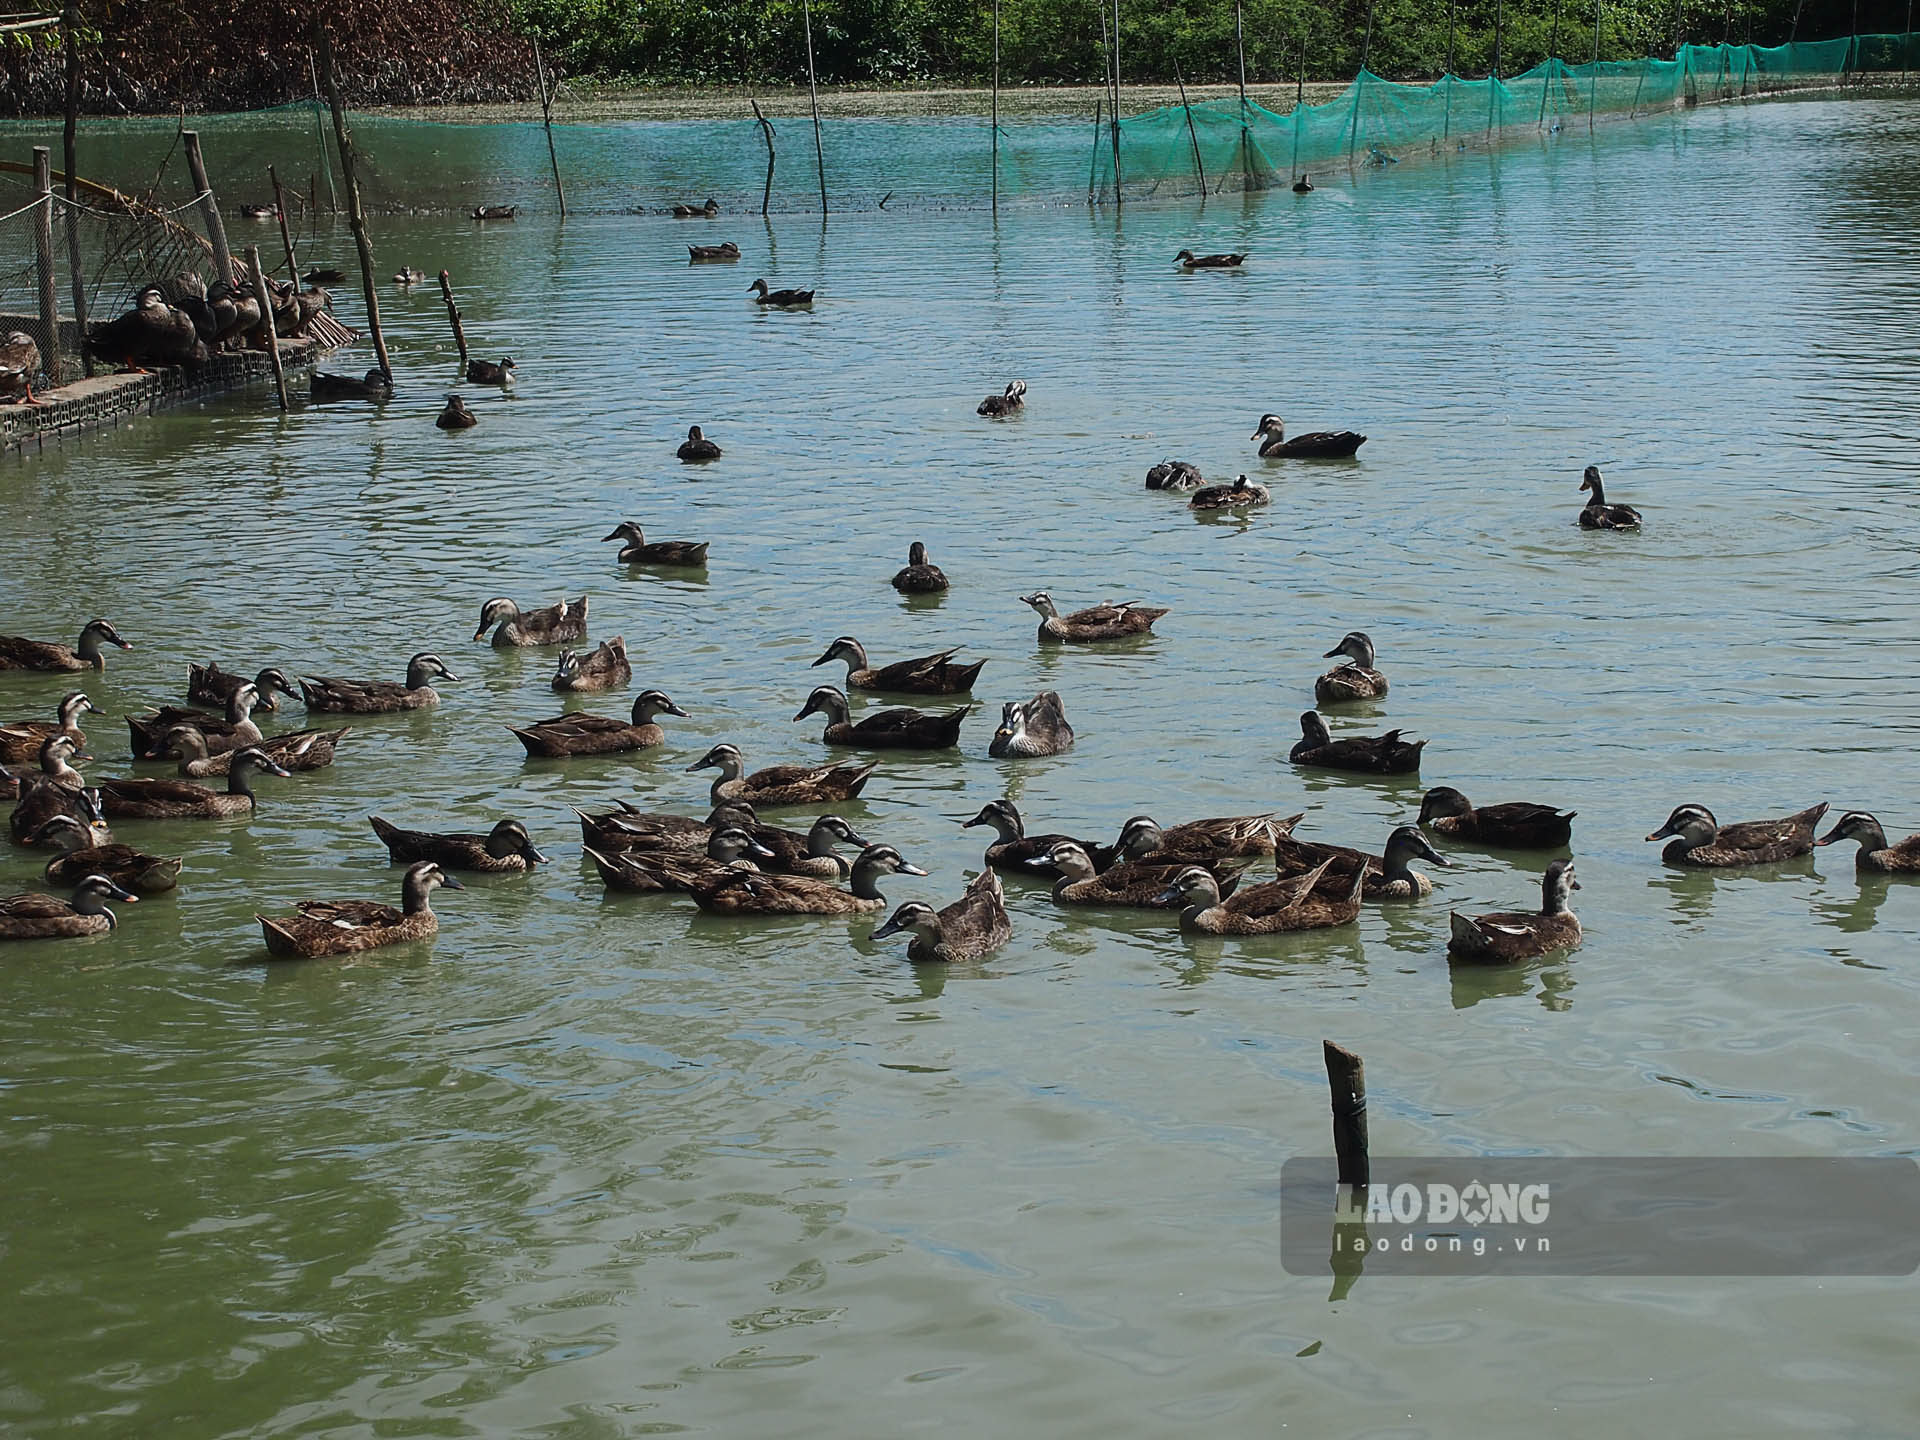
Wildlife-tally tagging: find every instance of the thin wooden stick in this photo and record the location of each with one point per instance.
(266, 312)
(43, 263)
(209, 208)
(70, 23)
(813, 95)
(546, 116)
(1446, 125)
(320, 140)
(356, 217)
(766, 133)
(996, 107)
(1093, 165)
(286, 235)
(1240, 50)
(1299, 96)
(1552, 46)
(1593, 75)
(453, 315)
(1198, 168)
(1347, 1080)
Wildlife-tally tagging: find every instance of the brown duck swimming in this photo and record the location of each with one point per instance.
(1276, 907)
(377, 697)
(744, 893)
(374, 385)
(20, 742)
(456, 416)
(1384, 754)
(1032, 728)
(1355, 677)
(1502, 939)
(1175, 475)
(924, 675)
(697, 447)
(895, 729)
(606, 668)
(1010, 401)
(1243, 494)
(58, 789)
(19, 653)
(1317, 445)
(183, 800)
(1513, 825)
(506, 849)
(1097, 622)
(971, 928)
(627, 827)
(1137, 884)
(347, 927)
(919, 576)
(1389, 876)
(296, 750)
(1703, 841)
(584, 734)
(150, 732)
(48, 917)
(83, 854)
(779, 784)
(1874, 852)
(1203, 841)
(653, 871)
(697, 212)
(556, 624)
(490, 372)
(210, 685)
(1187, 260)
(1014, 849)
(780, 299)
(1597, 514)
(638, 550)
(725, 252)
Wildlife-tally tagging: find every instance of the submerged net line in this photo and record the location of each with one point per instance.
(1240, 145)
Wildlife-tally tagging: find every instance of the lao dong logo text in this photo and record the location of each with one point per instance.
(1438, 1204)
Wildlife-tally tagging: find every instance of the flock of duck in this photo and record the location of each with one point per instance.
(732, 861)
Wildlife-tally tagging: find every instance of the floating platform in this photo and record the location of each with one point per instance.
(107, 399)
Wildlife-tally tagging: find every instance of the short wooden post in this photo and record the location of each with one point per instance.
(286, 235)
(1347, 1080)
(209, 208)
(356, 217)
(453, 315)
(69, 25)
(546, 115)
(766, 133)
(273, 332)
(813, 95)
(43, 262)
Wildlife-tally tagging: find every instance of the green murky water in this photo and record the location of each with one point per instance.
(595, 1167)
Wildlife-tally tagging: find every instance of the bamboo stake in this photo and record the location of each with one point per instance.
(43, 262)
(1676, 29)
(286, 235)
(1366, 40)
(1240, 49)
(546, 116)
(1119, 197)
(813, 94)
(320, 140)
(1493, 88)
(209, 208)
(266, 311)
(1553, 47)
(1446, 124)
(1198, 168)
(1593, 75)
(453, 315)
(1906, 46)
(1347, 1080)
(70, 23)
(766, 133)
(996, 107)
(1093, 165)
(356, 217)
(1299, 94)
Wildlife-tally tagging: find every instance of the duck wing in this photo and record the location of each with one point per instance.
(156, 791)
(35, 907)
(1766, 834)
(1275, 897)
(349, 914)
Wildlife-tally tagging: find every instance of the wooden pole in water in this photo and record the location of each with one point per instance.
(1198, 169)
(813, 94)
(546, 116)
(1113, 97)
(69, 24)
(995, 118)
(356, 217)
(43, 263)
(1493, 87)
(320, 140)
(1906, 45)
(1347, 1080)
(1795, 30)
(265, 302)
(766, 133)
(1299, 95)
(1240, 49)
(1119, 198)
(453, 315)
(1676, 29)
(1093, 165)
(209, 208)
(1366, 39)
(1593, 73)
(1446, 124)
(286, 235)
(1553, 47)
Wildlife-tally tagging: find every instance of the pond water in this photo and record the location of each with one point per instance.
(591, 1166)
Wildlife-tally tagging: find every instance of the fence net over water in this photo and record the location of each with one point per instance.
(1241, 145)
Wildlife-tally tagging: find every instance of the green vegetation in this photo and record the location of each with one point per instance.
(1061, 41)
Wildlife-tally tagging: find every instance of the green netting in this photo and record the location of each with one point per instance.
(1233, 145)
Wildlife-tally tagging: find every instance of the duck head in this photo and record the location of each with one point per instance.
(651, 703)
(1443, 802)
(628, 530)
(1042, 602)
(1693, 823)
(493, 612)
(1270, 426)
(1355, 645)
(510, 837)
(1406, 843)
(1002, 816)
(1557, 887)
(1194, 885)
(725, 758)
(827, 700)
(848, 649)
(1314, 728)
(1856, 825)
(913, 916)
(91, 895)
(422, 668)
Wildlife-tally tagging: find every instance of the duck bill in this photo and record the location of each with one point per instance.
(854, 837)
(449, 882)
(804, 713)
(533, 856)
(1168, 895)
(673, 709)
(1662, 833)
(881, 932)
(907, 869)
(822, 660)
(759, 851)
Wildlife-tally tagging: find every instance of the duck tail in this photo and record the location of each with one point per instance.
(280, 940)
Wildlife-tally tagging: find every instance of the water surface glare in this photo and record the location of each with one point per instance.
(592, 1166)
